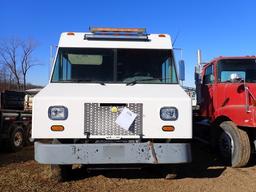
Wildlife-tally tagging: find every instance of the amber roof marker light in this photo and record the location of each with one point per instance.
(70, 33)
(124, 30)
(119, 34)
(161, 35)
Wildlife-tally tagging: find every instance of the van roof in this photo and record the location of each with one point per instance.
(155, 41)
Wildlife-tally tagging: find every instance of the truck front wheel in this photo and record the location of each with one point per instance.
(234, 144)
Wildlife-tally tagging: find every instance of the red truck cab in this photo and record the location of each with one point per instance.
(226, 89)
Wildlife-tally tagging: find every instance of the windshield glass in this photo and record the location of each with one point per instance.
(238, 69)
(114, 66)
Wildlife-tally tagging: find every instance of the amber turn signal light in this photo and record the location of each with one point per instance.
(57, 128)
(168, 128)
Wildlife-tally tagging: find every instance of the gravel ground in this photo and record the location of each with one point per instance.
(19, 172)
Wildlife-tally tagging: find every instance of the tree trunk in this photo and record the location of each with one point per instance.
(24, 82)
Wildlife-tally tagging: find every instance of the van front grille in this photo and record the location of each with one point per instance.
(100, 119)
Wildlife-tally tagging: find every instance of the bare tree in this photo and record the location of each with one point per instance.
(6, 79)
(9, 54)
(27, 61)
(17, 57)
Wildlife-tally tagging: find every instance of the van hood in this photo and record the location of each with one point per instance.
(110, 91)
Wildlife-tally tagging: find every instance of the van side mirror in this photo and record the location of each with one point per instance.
(181, 70)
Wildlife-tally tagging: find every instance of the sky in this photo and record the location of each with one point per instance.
(217, 27)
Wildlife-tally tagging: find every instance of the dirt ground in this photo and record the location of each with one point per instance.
(19, 172)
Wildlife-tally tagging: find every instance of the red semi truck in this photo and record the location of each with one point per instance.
(226, 97)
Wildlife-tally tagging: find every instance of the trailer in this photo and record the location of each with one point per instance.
(15, 122)
(113, 99)
(226, 99)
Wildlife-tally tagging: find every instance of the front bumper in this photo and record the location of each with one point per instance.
(113, 153)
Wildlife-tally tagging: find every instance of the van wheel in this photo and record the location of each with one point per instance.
(61, 173)
(234, 145)
(16, 140)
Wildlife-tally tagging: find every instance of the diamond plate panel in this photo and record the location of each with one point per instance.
(100, 120)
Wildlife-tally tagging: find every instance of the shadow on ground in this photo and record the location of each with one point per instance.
(205, 164)
(26, 154)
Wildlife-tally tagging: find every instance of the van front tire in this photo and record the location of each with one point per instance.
(61, 173)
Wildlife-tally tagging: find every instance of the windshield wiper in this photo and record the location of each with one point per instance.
(148, 79)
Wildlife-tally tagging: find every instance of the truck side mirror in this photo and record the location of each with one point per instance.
(181, 70)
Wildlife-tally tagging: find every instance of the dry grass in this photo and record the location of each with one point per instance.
(19, 172)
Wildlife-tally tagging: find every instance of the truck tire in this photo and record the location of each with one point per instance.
(16, 141)
(234, 145)
(28, 140)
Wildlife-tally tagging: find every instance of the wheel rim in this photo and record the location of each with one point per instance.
(226, 145)
(18, 139)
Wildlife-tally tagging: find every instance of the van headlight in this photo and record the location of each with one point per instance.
(169, 113)
(58, 113)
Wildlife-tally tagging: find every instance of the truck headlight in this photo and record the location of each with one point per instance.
(58, 113)
(169, 113)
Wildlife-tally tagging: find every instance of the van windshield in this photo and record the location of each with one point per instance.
(95, 65)
(233, 70)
